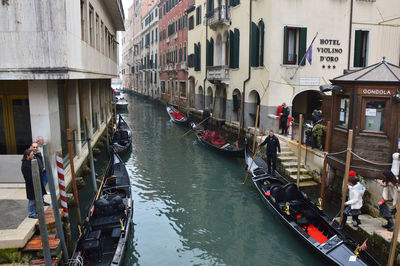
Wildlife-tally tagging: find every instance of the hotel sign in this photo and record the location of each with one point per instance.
(329, 51)
(375, 92)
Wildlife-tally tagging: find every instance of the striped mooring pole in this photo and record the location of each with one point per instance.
(61, 184)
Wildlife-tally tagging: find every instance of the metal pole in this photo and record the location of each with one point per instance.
(54, 203)
(255, 128)
(346, 173)
(37, 186)
(327, 143)
(299, 150)
(89, 140)
(393, 244)
(73, 177)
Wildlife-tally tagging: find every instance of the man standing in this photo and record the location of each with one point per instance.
(38, 156)
(40, 142)
(284, 117)
(273, 148)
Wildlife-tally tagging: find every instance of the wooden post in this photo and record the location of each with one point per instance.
(346, 173)
(393, 244)
(37, 187)
(299, 150)
(255, 128)
(74, 187)
(89, 142)
(327, 143)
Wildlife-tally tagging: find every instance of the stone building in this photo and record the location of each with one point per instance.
(57, 61)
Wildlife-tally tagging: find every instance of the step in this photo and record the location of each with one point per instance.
(40, 262)
(293, 170)
(285, 149)
(288, 159)
(290, 164)
(35, 244)
(308, 183)
(50, 220)
(302, 178)
(287, 153)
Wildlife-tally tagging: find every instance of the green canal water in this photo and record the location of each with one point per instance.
(190, 207)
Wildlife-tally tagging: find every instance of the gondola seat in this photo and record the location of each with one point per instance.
(107, 222)
(286, 194)
(107, 212)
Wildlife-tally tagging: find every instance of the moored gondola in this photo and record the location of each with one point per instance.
(122, 137)
(122, 103)
(105, 231)
(308, 222)
(176, 115)
(211, 140)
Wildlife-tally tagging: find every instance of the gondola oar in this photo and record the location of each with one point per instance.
(252, 161)
(195, 126)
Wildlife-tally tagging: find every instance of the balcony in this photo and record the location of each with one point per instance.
(218, 73)
(219, 17)
(184, 66)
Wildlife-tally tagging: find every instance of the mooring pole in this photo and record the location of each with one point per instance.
(327, 143)
(89, 142)
(255, 128)
(299, 150)
(74, 186)
(54, 204)
(346, 173)
(37, 187)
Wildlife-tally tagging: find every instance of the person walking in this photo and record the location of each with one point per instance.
(40, 142)
(387, 206)
(273, 148)
(284, 117)
(355, 201)
(26, 169)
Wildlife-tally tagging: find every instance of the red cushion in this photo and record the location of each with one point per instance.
(316, 234)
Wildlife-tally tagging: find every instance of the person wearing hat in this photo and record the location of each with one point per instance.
(355, 201)
(387, 206)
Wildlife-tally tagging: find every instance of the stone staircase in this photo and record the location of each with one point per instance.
(287, 165)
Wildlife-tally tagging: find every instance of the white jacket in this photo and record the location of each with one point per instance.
(390, 193)
(356, 193)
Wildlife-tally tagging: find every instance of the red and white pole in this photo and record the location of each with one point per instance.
(61, 184)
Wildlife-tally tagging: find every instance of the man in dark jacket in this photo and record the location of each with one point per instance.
(273, 148)
(284, 117)
(26, 169)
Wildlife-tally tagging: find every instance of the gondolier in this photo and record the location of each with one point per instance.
(273, 148)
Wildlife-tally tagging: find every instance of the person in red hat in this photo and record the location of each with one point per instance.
(355, 201)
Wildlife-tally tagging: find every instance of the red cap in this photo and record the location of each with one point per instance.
(352, 173)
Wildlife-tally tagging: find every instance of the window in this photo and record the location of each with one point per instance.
(91, 26)
(210, 52)
(294, 46)
(373, 114)
(182, 86)
(83, 20)
(344, 109)
(234, 2)
(184, 52)
(234, 43)
(360, 48)
(210, 7)
(197, 57)
(198, 15)
(102, 37)
(156, 35)
(171, 29)
(97, 32)
(191, 23)
(191, 60)
(180, 53)
(257, 44)
(162, 86)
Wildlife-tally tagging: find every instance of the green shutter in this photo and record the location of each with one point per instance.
(254, 45)
(231, 3)
(231, 48)
(212, 52)
(208, 53)
(195, 57)
(236, 48)
(285, 55)
(357, 48)
(262, 32)
(302, 46)
(199, 59)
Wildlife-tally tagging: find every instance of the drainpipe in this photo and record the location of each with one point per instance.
(350, 32)
(205, 77)
(249, 67)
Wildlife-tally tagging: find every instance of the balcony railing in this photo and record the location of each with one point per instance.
(218, 73)
(219, 16)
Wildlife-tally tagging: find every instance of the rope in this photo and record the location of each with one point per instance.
(365, 160)
(335, 153)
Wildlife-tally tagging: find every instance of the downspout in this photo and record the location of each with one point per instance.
(205, 77)
(249, 67)
(350, 32)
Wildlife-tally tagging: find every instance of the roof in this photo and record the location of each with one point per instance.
(380, 72)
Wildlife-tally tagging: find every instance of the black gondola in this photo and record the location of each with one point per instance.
(105, 232)
(226, 148)
(176, 115)
(122, 137)
(303, 217)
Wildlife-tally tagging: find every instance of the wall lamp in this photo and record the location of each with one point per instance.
(330, 87)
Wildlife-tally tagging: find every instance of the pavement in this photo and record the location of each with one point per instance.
(15, 226)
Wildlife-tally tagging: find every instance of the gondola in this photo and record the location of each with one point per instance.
(216, 143)
(122, 137)
(105, 232)
(176, 115)
(303, 217)
(122, 104)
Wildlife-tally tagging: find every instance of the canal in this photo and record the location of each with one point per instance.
(190, 207)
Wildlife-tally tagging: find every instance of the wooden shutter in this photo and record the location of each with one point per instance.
(236, 48)
(208, 53)
(195, 57)
(357, 48)
(285, 52)
(261, 49)
(231, 48)
(212, 52)
(199, 57)
(254, 45)
(302, 46)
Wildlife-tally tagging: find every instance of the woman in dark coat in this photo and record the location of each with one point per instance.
(26, 169)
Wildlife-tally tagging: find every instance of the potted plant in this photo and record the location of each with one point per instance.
(319, 131)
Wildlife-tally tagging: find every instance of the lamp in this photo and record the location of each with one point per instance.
(330, 87)
(396, 97)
